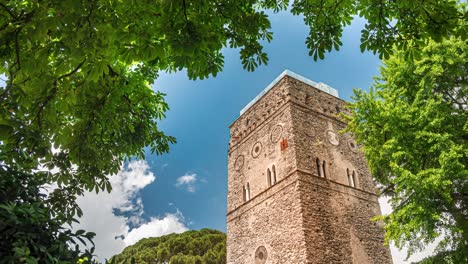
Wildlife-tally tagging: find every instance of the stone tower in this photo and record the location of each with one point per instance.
(298, 190)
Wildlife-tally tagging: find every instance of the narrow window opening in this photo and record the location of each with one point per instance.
(319, 171)
(248, 192)
(324, 170)
(244, 194)
(269, 177)
(353, 179)
(274, 174)
(349, 177)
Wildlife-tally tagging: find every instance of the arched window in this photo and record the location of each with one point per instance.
(269, 177)
(319, 170)
(244, 194)
(274, 174)
(353, 179)
(349, 177)
(324, 169)
(248, 192)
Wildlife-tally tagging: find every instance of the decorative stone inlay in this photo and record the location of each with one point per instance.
(257, 149)
(333, 138)
(261, 255)
(352, 145)
(276, 133)
(308, 129)
(239, 163)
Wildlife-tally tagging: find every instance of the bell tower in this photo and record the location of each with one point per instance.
(298, 190)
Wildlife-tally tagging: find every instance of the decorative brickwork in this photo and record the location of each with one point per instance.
(311, 211)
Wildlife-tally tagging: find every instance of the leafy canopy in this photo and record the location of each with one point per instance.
(407, 24)
(77, 99)
(413, 127)
(203, 246)
(28, 234)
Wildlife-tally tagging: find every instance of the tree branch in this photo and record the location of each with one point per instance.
(71, 72)
(185, 10)
(51, 95)
(4, 7)
(17, 48)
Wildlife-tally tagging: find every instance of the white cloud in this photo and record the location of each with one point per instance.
(171, 223)
(113, 232)
(187, 182)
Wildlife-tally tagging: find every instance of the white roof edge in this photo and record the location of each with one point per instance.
(319, 85)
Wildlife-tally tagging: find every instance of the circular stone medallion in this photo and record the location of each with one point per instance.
(333, 138)
(257, 149)
(261, 255)
(352, 145)
(276, 133)
(308, 129)
(239, 163)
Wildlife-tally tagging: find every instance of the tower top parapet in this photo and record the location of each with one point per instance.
(319, 85)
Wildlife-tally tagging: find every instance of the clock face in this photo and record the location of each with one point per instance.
(261, 255)
(239, 163)
(256, 149)
(333, 138)
(276, 133)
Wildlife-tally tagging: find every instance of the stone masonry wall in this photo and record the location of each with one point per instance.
(272, 217)
(337, 223)
(263, 127)
(317, 134)
(305, 216)
(336, 216)
(271, 220)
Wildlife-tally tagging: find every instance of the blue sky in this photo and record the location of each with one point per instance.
(187, 188)
(201, 112)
